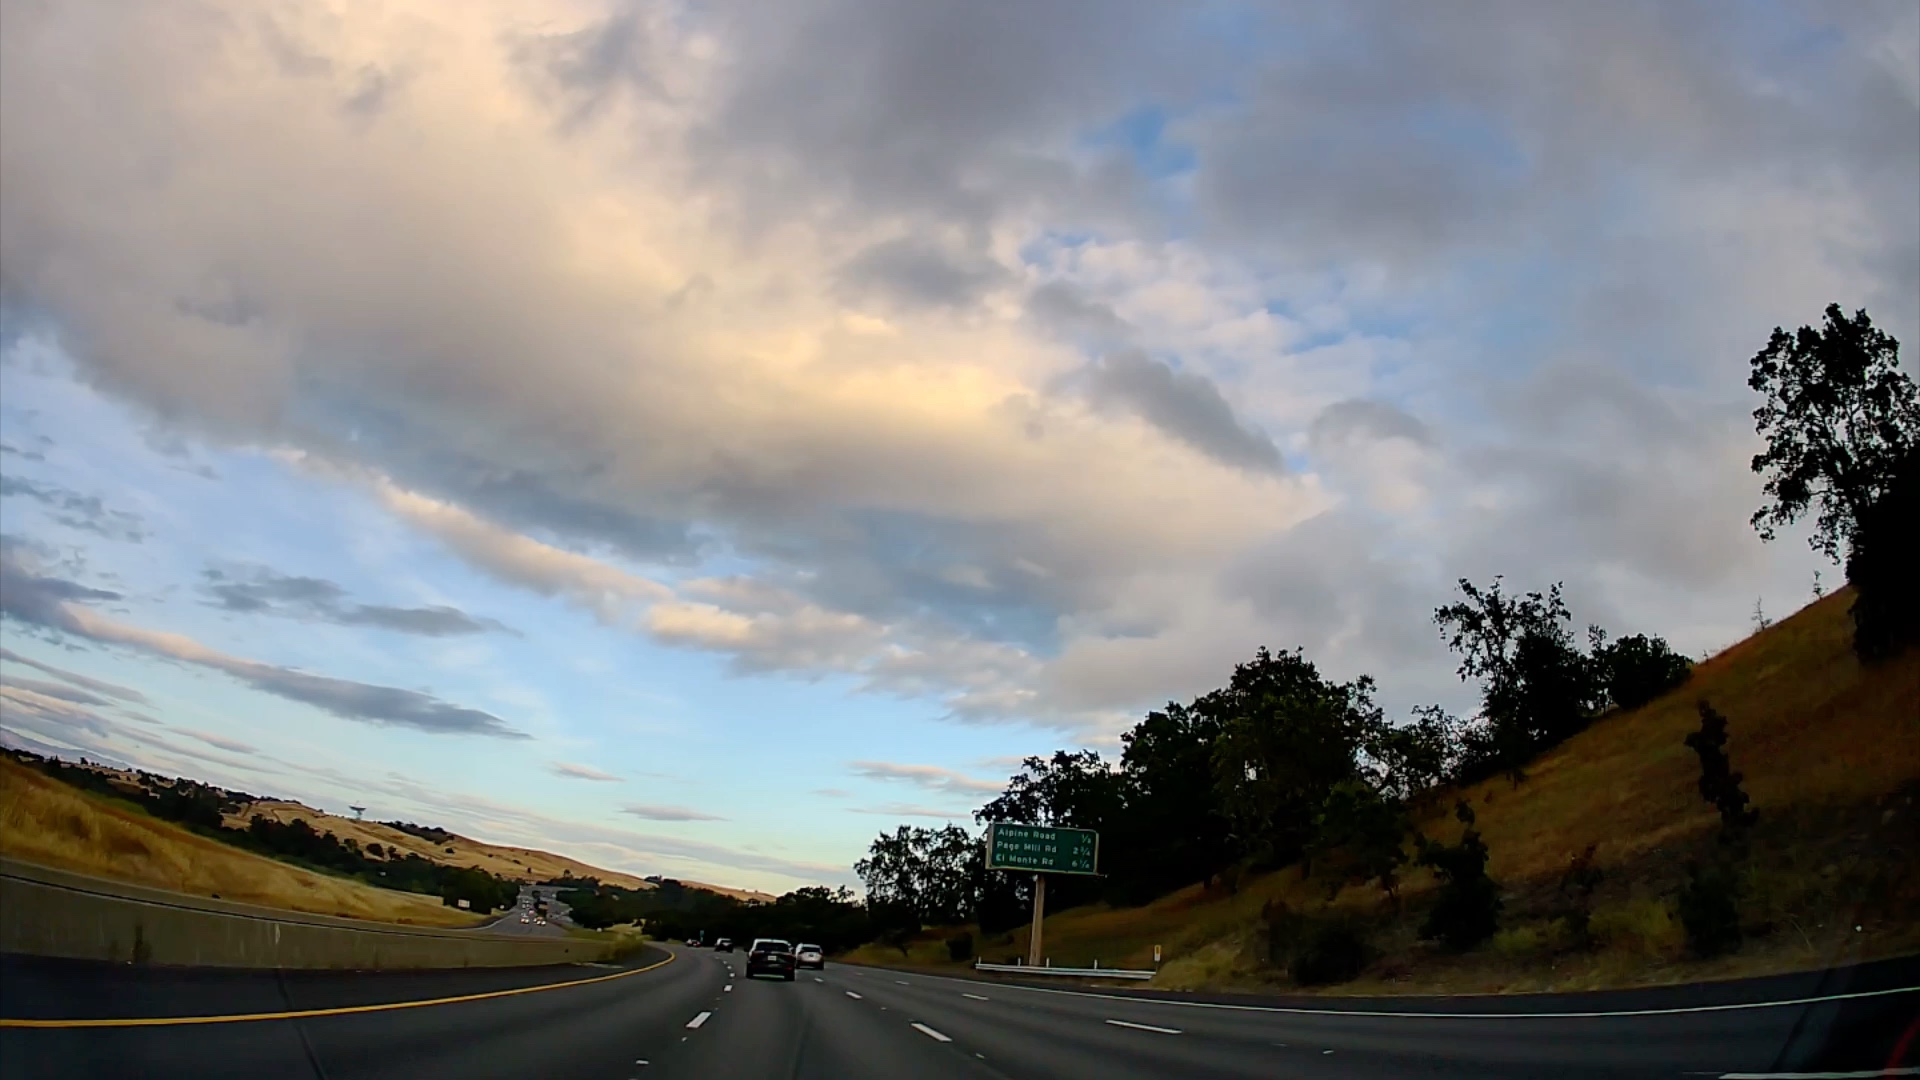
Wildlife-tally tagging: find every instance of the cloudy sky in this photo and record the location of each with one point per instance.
(696, 436)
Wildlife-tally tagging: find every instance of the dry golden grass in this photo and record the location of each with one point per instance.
(527, 864)
(1831, 755)
(46, 822)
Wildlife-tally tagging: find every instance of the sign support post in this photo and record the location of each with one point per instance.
(1039, 919)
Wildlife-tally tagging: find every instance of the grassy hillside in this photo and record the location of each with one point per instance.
(1831, 754)
(513, 862)
(47, 822)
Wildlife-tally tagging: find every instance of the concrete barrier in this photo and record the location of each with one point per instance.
(47, 912)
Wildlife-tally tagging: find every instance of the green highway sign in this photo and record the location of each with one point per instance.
(1042, 849)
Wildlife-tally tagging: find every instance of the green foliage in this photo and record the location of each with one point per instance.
(1839, 418)
(1359, 835)
(1287, 737)
(1719, 784)
(1709, 908)
(1467, 910)
(935, 873)
(1882, 567)
(1636, 669)
(1314, 951)
(1536, 687)
(1404, 761)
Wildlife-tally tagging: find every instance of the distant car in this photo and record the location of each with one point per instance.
(809, 956)
(526, 918)
(770, 956)
(725, 944)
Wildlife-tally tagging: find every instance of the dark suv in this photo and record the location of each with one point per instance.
(770, 956)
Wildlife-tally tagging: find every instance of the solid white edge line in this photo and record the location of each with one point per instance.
(976, 997)
(855, 996)
(929, 1032)
(698, 1020)
(1144, 1027)
(1871, 1074)
(1365, 1013)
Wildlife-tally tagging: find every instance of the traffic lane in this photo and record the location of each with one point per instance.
(594, 1030)
(1849, 1035)
(1876, 975)
(1063, 1044)
(807, 1030)
(48, 988)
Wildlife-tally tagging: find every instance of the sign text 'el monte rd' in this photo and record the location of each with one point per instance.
(1042, 849)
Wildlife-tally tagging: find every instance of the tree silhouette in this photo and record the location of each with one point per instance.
(1839, 417)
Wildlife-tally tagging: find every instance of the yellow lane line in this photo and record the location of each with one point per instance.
(303, 1014)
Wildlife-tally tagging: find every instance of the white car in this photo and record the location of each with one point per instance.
(809, 956)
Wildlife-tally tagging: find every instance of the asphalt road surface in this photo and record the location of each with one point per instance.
(690, 1013)
(510, 923)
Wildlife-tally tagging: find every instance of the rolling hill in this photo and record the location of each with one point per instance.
(515, 862)
(47, 822)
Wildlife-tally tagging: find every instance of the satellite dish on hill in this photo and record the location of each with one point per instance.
(359, 812)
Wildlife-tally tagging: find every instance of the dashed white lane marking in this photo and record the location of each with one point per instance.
(901, 982)
(818, 979)
(698, 1020)
(854, 996)
(976, 997)
(1897, 1070)
(728, 988)
(1144, 1027)
(929, 1032)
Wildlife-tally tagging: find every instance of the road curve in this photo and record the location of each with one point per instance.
(689, 1013)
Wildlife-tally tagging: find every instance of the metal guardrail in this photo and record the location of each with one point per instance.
(1077, 973)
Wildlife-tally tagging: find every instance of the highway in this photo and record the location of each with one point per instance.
(510, 923)
(688, 1013)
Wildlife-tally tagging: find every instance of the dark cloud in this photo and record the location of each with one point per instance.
(57, 690)
(260, 590)
(22, 453)
(1344, 420)
(1062, 306)
(1397, 133)
(914, 272)
(76, 511)
(942, 107)
(99, 686)
(368, 703)
(1185, 405)
(667, 813)
(46, 603)
(40, 601)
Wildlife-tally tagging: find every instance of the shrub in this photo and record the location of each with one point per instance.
(960, 947)
(1467, 911)
(1709, 909)
(1576, 896)
(1719, 784)
(1333, 952)
(1313, 951)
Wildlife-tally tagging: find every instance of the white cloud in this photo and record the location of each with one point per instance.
(931, 777)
